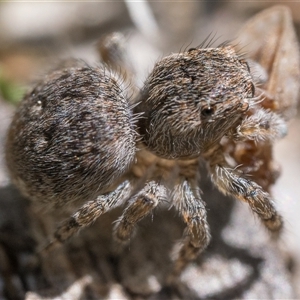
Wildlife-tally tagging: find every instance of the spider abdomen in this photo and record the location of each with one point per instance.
(72, 136)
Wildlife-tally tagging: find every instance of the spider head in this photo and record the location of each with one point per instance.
(192, 99)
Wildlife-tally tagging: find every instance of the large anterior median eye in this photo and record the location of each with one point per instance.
(207, 111)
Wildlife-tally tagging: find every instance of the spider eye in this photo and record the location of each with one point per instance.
(207, 111)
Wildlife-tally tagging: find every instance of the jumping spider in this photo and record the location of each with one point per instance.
(77, 137)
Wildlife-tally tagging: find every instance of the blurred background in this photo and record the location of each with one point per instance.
(34, 36)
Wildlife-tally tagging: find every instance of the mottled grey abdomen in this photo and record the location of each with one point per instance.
(72, 136)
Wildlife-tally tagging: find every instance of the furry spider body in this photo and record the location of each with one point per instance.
(73, 138)
(76, 138)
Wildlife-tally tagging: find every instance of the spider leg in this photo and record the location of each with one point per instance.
(231, 182)
(196, 236)
(89, 213)
(139, 206)
(263, 125)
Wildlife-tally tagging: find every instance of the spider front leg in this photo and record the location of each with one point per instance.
(139, 206)
(263, 125)
(89, 213)
(196, 236)
(231, 182)
(253, 152)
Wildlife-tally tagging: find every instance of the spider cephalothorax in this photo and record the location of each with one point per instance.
(191, 99)
(75, 137)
